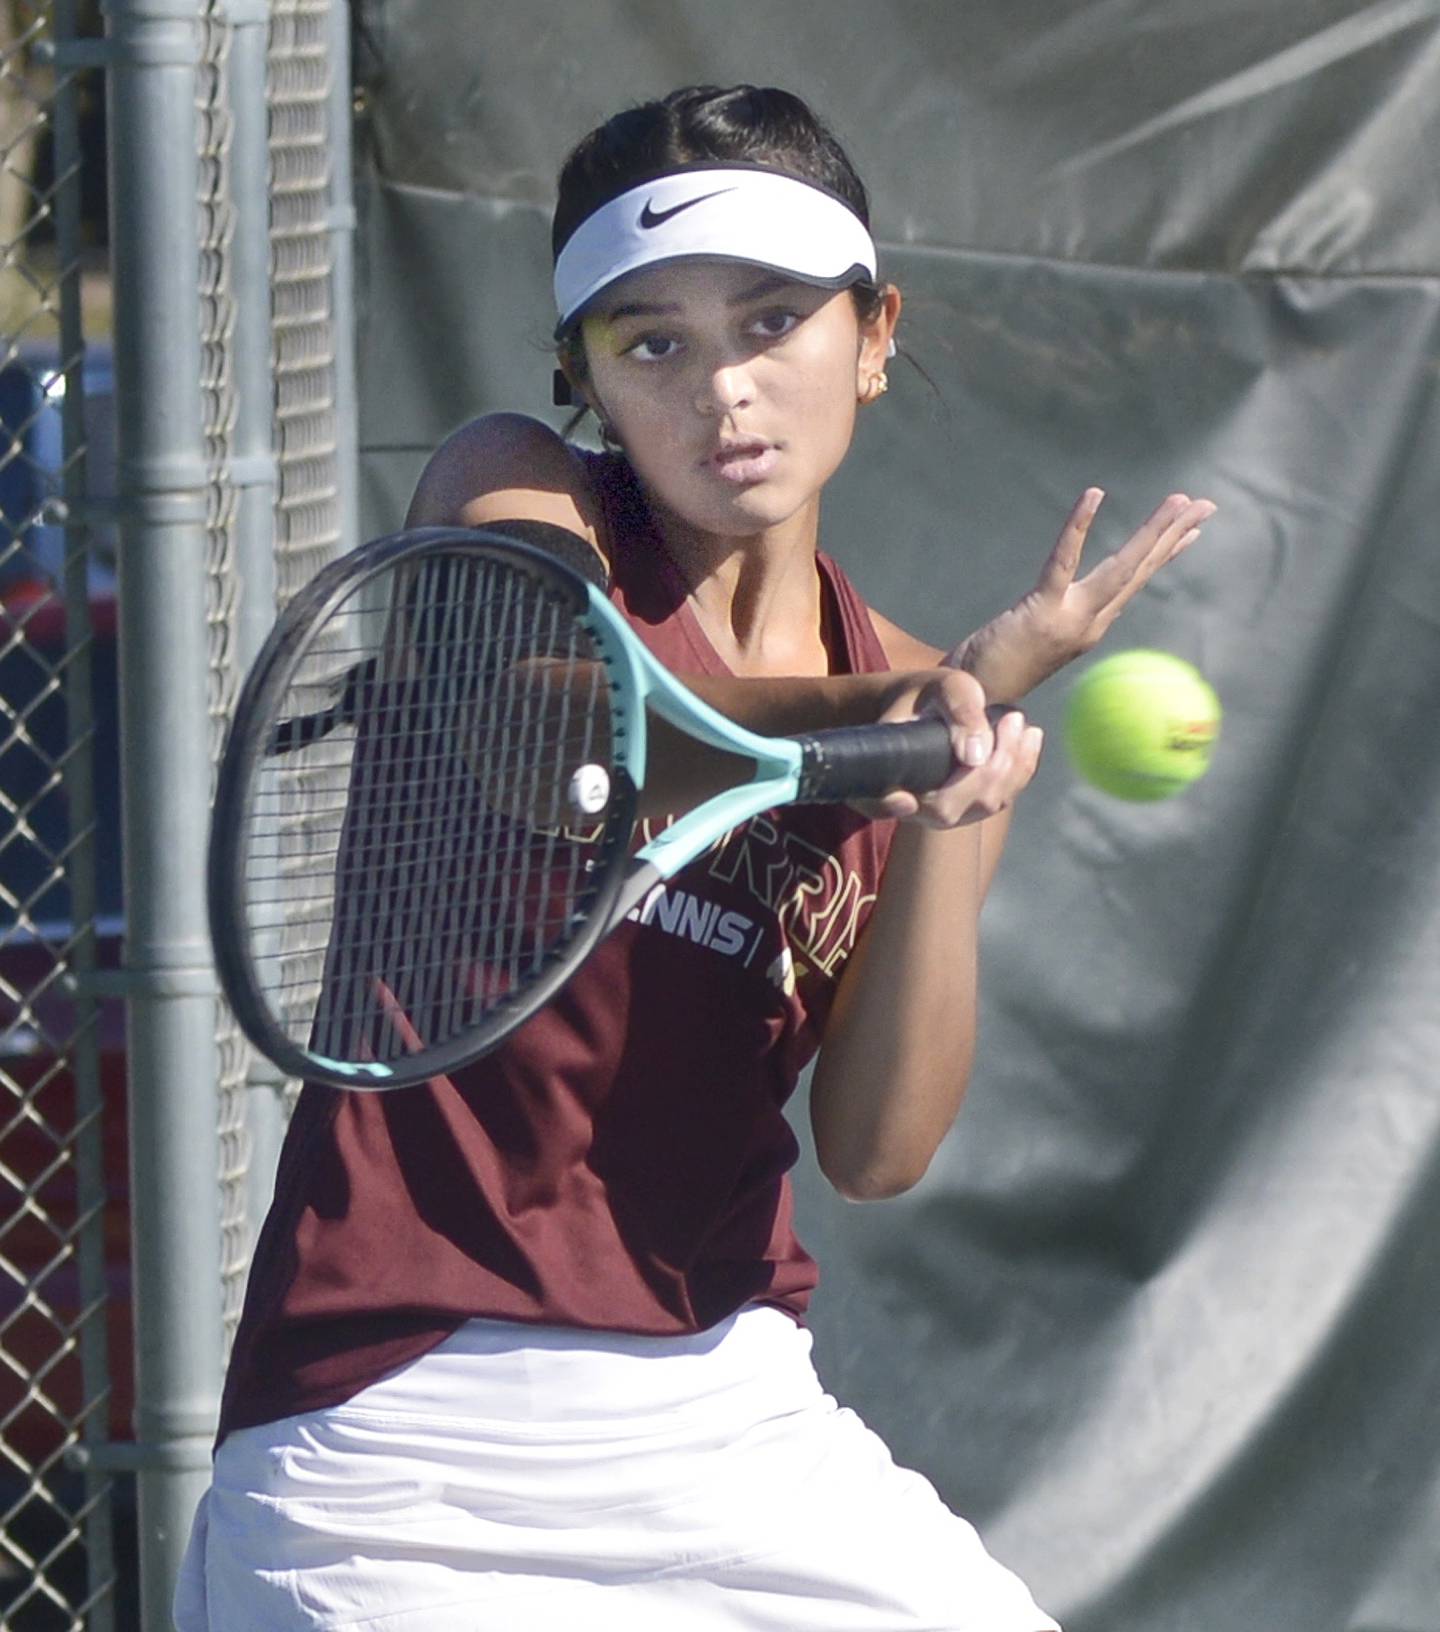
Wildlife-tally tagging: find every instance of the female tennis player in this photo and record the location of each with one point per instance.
(524, 1348)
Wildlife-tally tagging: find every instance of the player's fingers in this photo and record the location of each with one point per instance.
(1125, 573)
(1182, 525)
(898, 805)
(1176, 517)
(1032, 743)
(1059, 570)
(972, 794)
(1158, 533)
(992, 789)
(1018, 745)
(1015, 761)
(1012, 763)
(1149, 538)
(958, 698)
(1007, 733)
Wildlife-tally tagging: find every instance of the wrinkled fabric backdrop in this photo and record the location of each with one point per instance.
(1163, 1318)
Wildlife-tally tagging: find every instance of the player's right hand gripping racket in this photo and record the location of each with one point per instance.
(424, 812)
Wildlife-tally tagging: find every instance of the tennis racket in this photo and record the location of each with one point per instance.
(425, 810)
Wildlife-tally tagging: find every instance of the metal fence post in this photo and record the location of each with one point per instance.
(342, 260)
(161, 479)
(252, 466)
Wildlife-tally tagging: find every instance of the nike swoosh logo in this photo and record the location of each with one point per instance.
(655, 218)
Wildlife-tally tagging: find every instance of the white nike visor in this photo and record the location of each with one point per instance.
(714, 212)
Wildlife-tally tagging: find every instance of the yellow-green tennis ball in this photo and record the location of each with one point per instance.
(1141, 725)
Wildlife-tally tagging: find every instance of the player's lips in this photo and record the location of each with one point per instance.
(748, 460)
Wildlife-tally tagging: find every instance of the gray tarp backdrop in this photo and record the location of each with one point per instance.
(1164, 1318)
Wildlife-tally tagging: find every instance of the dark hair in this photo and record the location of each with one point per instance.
(700, 124)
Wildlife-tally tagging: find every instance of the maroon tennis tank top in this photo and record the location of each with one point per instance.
(621, 1163)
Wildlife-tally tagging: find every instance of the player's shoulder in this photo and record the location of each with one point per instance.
(902, 649)
(508, 466)
(503, 450)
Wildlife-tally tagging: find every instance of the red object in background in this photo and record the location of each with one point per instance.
(41, 1393)
(37, 1241)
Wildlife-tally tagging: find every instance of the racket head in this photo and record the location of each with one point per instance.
(424, 808)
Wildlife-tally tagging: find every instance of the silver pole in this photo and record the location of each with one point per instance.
(155, 48)
(342, 261)
(253, 464)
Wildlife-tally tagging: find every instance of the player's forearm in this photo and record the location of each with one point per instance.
(783, 706)
(899, 1045)
(683, 772)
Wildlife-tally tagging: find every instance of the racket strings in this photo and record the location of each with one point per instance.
(419, 862)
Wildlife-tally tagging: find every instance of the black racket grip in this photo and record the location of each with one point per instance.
(865, 761)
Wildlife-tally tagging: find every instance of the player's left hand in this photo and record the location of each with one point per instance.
(1063, 617)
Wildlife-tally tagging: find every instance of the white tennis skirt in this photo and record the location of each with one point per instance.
(521, 1479)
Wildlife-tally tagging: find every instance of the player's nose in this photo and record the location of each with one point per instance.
(724, 389)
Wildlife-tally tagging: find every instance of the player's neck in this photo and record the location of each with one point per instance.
(757, 598)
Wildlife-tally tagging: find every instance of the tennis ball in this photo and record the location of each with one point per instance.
(1140, 725)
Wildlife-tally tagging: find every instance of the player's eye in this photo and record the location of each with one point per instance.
(652, 348)
(774, 325)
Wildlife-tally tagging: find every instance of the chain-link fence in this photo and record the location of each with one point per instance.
(277, 429)
(306, 526)
(62, 1157)
(303, 208)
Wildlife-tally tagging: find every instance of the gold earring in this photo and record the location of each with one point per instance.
(875, 388)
